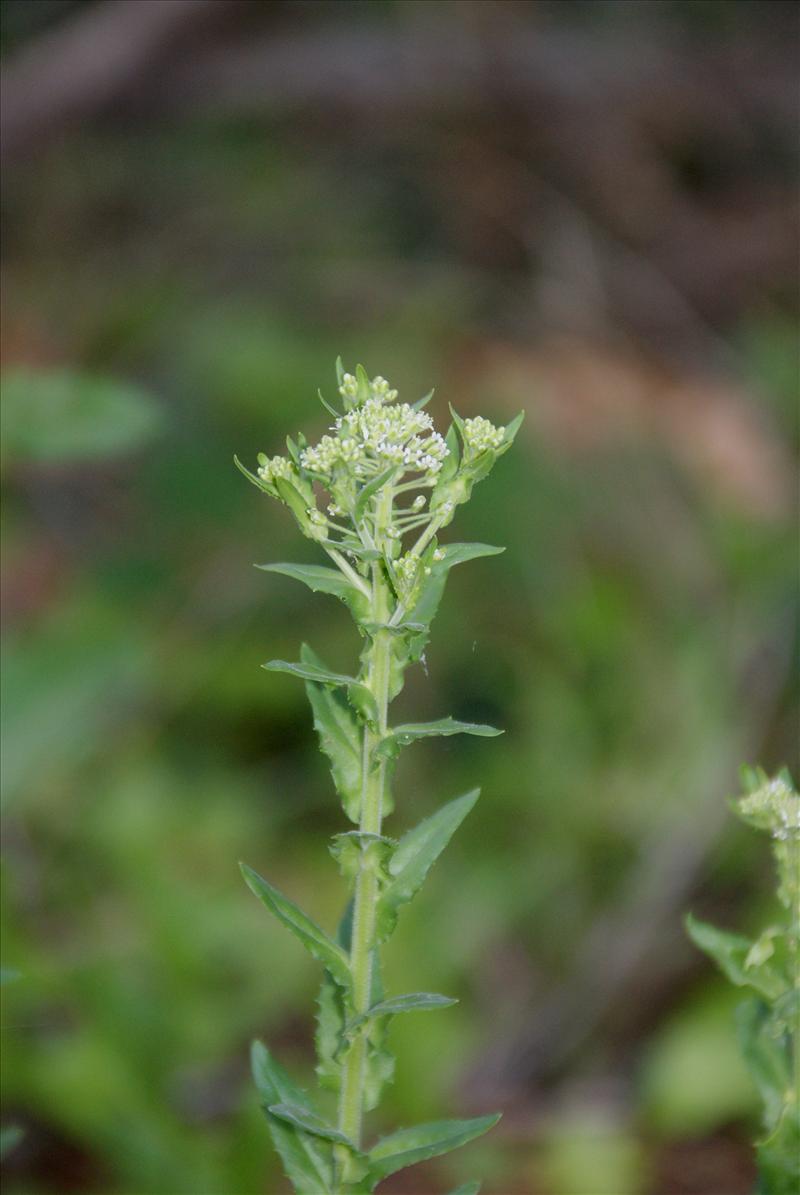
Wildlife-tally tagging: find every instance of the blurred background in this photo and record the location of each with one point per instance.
(586, 210)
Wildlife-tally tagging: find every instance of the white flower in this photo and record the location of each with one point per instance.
(373, 436)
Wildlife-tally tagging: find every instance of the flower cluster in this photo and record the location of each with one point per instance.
(378, 388)
(268, 470)
(480, 434)
(773, 807)
(373, 436)
(376, 451)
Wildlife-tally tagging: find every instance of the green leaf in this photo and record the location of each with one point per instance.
(457, 420)
(317, 577)
(362, 378)
(423, 402)
(252, 478)
(355, 851)
(414, 856)
(768, 1056)
(302, 1118)
(331, 410)
(312, 672)
(461, 553)
(315, 940)
(340, 736)
(428, 602)
(730, 952)
(371, 488)
(411, 1002)
(511, 431)
(296, 502)
(467, 1189)
(308, 1161)
(65, 417)
(401, 736)
(329, 1038)
(360, 696)
(424, 1141)
(331, 1016)
(778, 1155)
(451, 461)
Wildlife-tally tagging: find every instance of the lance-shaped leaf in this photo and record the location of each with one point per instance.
(414, 856)
(371, 488)
(401, 736)
(308, 1122)
(315, 672)
(510, 433)
(253, 479)
(461, 553)
(329, 1037)
(768, 1056)
(331, 1016)
(428, 602)
(360, 696)
(778, 1154)
(308, 1161)
(731, 952)
(410, 1002)
(467, 1189)
(424, 1141)
(316, 576)
(315, 940)
(340, 737)
(331, 410)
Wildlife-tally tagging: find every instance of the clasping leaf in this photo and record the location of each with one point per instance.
(415, 854)
(340, 736)
(317, 577)
(308, 1160)
(360, 696)
(308, 1122)
(732, 954)
(315, 940)
(424, 1141)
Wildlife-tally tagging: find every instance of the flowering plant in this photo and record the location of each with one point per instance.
(391, 483)
(769, 967)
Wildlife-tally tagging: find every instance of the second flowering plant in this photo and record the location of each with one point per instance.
(374, 494)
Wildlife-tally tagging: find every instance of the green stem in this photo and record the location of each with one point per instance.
(362, 950)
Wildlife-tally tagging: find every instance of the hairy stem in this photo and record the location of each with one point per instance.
(362, 951)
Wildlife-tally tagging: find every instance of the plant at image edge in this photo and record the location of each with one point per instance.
(769, 1022)
(392, 483)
